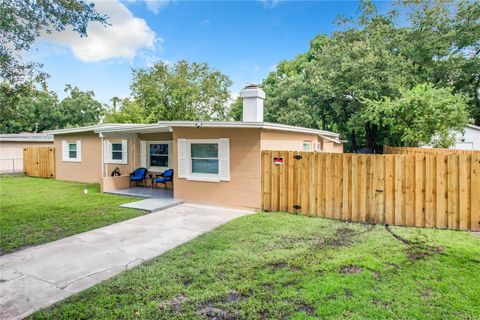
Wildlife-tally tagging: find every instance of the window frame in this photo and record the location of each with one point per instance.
(109, 151)
(147, 155)
(307, 142)
(213, 177)
(66, 153)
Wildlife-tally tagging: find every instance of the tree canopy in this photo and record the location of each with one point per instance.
(374, 57)
(33, 110)
(421, 115)
(183, 91)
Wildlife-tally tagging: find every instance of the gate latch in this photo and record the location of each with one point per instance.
(297, 157)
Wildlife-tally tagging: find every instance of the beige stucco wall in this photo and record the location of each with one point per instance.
(244, 187)
(11, 154)
(89, 170)
(330, 146)
(286, 141)
(293, 141)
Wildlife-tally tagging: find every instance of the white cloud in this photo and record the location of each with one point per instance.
(156, 5)
(270, 3)
(124, 38)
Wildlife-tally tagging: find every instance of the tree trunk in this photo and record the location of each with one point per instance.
(354, 141)
(370, 136)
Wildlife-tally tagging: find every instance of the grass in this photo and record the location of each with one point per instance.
(279, 266)
(35, 210)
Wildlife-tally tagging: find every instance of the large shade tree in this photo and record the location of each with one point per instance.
(374, 56)
(183, 91)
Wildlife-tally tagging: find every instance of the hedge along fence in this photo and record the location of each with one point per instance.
(422, 190)
(408, 150)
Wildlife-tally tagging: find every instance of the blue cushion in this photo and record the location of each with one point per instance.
(162, 180)
(136, 178)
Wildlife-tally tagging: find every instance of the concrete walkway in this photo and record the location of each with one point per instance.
(37, 277)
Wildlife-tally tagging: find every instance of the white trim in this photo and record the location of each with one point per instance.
(170, 158)
(182, 158)
(167, 125)
(66, 150)
(207, 177)
(108, 151)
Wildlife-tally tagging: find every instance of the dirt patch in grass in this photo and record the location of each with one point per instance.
(416, 249)
(308, 309)
(174, 304)
(212, 308)
(350, 269)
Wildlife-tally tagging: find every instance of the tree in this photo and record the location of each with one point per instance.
(80, 108)
(374, 56)
(419, 116)
(27, 109)
(236, 109)
(183, 91)
(21, 22)
(130, 112)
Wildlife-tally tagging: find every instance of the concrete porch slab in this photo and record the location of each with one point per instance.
(144, 192)
(152, 204)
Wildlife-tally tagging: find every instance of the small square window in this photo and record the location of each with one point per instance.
(117, 153)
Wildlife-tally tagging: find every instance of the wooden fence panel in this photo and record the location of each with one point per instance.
(39, 161)
(410, 150)
(422, 190)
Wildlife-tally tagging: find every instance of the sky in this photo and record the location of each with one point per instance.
(242, 39)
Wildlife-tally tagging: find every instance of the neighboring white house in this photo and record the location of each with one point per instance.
(468, 139)
(11, 149)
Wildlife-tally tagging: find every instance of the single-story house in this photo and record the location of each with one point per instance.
(468, 139)
(214, 162)
(11, 149)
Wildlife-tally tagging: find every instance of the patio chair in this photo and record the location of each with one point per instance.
(139, 174)
(166, 177)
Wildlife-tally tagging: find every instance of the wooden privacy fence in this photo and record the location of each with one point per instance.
(422, 190)
(405, 150)
(39, 161)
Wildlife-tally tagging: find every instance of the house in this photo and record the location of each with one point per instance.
(11, 149)
(468, 139)
(214, 162)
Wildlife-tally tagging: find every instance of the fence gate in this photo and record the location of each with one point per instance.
(422, 190)
(39, 161)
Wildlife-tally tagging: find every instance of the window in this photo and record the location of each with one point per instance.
(306, 145)
(116, 151)
(158, 155)
(71, 150)
(204, 157)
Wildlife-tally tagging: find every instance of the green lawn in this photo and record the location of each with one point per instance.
(278, 266)
(36, 210)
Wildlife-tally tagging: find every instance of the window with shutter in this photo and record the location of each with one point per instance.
(71, 151)
(204, 159)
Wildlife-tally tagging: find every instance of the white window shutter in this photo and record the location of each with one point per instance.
(64, 150)
(79, 150)
(124, 152)
(182, 158)
(224, 159)
(143, 153)
(106, 157)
